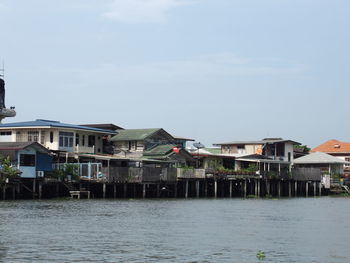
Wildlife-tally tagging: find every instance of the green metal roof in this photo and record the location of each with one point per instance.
(134, 134)
(160, 150)
(213, 150)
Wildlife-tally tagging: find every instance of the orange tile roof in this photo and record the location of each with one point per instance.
(333, 146)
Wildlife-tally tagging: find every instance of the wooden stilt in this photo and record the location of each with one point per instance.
(13, 192)
(206, 189)
(320, 189)
(144, 191)
(279, 189)
(125, 192)
(307, 189)
(267, 187)
(197, 188)
(158, 190)
(259, 182)
(314, 188)
(4, 192)
(34, 188)
(175, 190)
(215, 188)
(114, 190)
(289, 189)
(245, 188)
(231, 189)
(296, 188)
(57, 190)
(186, 188)
(40, 189)
(104, 190)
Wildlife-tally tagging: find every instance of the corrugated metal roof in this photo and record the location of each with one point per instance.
(319, 158)
(50, 123)
(256, 142)
(14, 146)
(134, 134)
(160, 150)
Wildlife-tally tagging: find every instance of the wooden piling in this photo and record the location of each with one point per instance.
(215, 188)
(4, 192)
(314, 188)
(125, 192)
(34, 188)
(259, 183)
(279, 189)
(114, 190)
(289, 189)
(296, 188)
(206, 189)
(175, 190)
(267, 187)
(307, 189)
(40, 189)
(197, 188)
(158, 190)
(319, 188)
(186, 188)
(13, 192)
(144, 191)
(57, 190)
(231, 189)
(104, 190)
(245, 188)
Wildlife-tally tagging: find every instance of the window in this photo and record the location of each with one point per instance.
(42, 137)
(66, 139)
(91, 140)
(51, 137)
(76, 139)
(33, 136)
(5, 133)
(83, 141)
(27, 160)
(348, 160)
(132, 145)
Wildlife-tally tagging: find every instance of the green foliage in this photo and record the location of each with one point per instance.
(260, 255)
(272, 174)
(7, 171)
(65, 171)
(302, 148)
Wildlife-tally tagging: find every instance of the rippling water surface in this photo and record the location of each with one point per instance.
(223, 230)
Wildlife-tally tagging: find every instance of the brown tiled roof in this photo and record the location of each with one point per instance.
(333, 146)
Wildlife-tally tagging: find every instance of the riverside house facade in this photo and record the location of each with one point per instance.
(62, 138)
(270, 155)
(337, 149)
(150, 144)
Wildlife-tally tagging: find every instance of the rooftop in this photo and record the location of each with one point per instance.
(137, 134)
(333, 146)
(52, 124)
(263, 141)
(319, 158)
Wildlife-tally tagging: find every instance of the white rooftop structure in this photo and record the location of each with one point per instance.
(319, 158)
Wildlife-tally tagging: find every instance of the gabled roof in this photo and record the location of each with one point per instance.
(263, 141)
(16, 146)
(333, 146)
(137, 134)
(165, 151)
(160, 150)
(319, 158)
(51, 124)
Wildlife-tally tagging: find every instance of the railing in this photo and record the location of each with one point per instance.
(88, 171)
(190, 173)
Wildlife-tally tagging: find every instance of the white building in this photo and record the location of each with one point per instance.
(57, 136)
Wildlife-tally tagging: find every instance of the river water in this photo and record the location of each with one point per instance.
(204, 230)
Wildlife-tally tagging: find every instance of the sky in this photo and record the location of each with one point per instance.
(215, 71)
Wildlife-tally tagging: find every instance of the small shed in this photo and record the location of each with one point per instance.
(31, 158)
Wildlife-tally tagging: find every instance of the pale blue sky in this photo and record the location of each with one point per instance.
(212, 70)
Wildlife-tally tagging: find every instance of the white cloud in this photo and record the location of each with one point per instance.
(142, 11)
